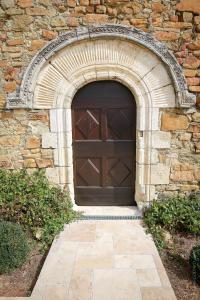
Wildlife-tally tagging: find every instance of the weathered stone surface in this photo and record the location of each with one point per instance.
(71, 3)
(197, 20)
(49, 140)
(166, 36)
(194, 88)
(9, 141)
(196, 117)
(182, 176)
(72, 22)
(32, 142)
(44, 163)
(20, 23)
(84, 2)
(190, 72)
(30, 163)
(94, 18)
(101, 9)
(187, 17)
(178, 25)
(158, 7)
(174, 122)
(38, 116)
(14, 11)
(194, 45)
(189, 5)
(36, 44)
(10, 86)
(25, 3)
(191, 62)
(198, 101)
(161, 140)
(15, 42)
(160, 174)
(197, 175)
(5, 4)
(194, 128)
(49, 35)
(37, 11)
(58, 21)
(185, 136)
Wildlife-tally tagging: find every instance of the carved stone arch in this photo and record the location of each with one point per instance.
(25, 95)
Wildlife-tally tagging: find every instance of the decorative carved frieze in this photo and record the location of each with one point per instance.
(24, 98)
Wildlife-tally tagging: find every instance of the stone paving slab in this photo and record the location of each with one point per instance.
(103, 260)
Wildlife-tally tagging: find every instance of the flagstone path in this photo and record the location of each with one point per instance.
(103, 260)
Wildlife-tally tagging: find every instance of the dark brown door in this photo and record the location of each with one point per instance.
(104, 118)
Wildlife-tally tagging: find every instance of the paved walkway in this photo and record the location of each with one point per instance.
(103, 260)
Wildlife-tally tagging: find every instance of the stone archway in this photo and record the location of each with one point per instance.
(108, 52)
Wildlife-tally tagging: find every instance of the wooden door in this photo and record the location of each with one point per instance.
(104, 118)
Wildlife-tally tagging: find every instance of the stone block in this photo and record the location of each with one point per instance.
(166, 36)
(191, 62)
(33, 142)
(30, 163)
(95, 18)
(9, 141)
(52, 175)
(58, 21)
(5, 4)
(196, 117)
(36, 44)
(20, 23)
(25, 3)
(10, 86)
(49, 140)
(49, 35)
(160, 174)
(185, 137)
(189, 5)
(174, 122)
(197, 175)
(190, 72)
(182, 176)
(44, 162)
(37, 11)
(161, 140)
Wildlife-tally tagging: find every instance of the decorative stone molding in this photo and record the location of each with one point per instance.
(25, 96)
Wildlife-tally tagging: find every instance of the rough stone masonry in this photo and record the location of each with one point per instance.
(27, 25)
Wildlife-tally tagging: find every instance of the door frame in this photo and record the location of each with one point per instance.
(148, 136)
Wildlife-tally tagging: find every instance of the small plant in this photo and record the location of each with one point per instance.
(175, 214)
(14, 246)
(194, 261)
(31, 201)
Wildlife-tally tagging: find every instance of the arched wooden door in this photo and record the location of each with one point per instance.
(104, 120)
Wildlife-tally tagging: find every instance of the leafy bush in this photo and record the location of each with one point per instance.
(180, 214)
(31, 201)
(13, 246)
(194, 261)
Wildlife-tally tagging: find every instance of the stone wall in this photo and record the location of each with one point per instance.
(27, 25)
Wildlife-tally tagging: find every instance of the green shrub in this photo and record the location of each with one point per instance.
(194, 261)
(31, 201)
(180, 214)
(13, 246)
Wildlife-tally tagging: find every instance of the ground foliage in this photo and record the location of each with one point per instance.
(174, 214)
(29, 200)
(194, 261)
(14, 246)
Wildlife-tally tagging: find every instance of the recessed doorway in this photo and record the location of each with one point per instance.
(104, 144)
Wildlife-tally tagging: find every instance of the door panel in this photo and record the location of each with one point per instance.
(104, 116)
